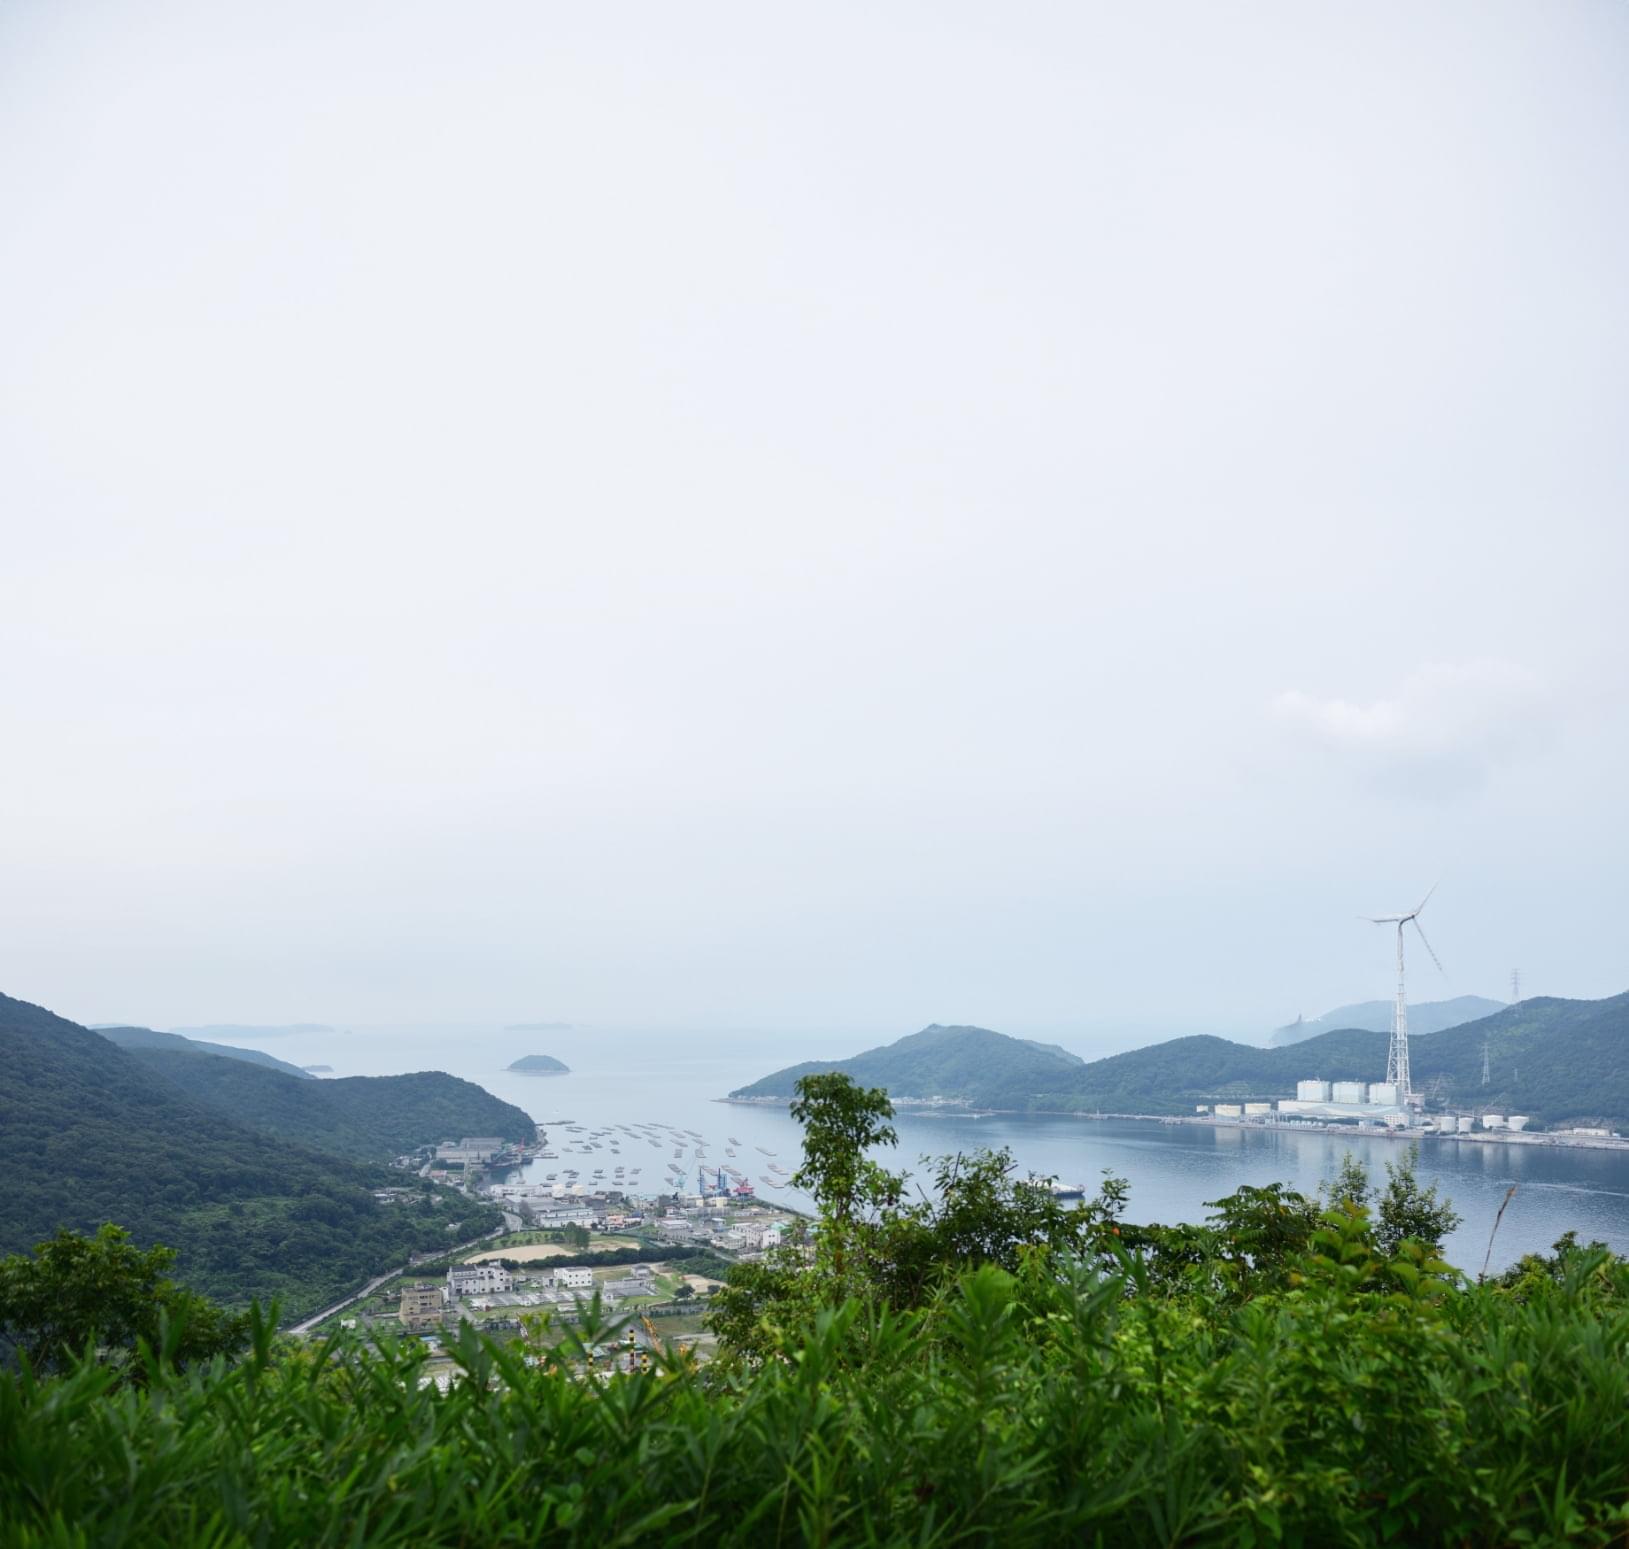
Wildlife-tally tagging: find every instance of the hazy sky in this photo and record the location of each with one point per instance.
(832, 517)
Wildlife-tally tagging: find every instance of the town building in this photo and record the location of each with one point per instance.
(472, 1149)
(420, 1308)
(553, 1217)
(477, 1280)
(573, 1279)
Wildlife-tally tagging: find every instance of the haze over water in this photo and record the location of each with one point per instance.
(632, 1076)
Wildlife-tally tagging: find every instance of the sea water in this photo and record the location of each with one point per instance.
(676, 1079)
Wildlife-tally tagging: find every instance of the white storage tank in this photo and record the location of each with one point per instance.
(1493, 1121)
(1312, 1091)
(1229, 1111)
(1350, 1091)
(1467, 1124)
(1383, 1094)
(1517, 1121)
(1258, 1107)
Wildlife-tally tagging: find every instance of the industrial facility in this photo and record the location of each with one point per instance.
(1392, 1103)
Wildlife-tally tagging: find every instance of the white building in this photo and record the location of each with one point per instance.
(557, 1214)
(1350, 1091)
(573, 1279)
(477, 1280)
(1312, 1091)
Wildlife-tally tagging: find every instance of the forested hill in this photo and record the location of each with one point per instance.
(1558, 1061)
(968, 1064)
(371, 1118)
(1563, 1062)
(151, 1038)
(90, 1133)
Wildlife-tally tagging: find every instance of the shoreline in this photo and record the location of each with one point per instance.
(926, 1108)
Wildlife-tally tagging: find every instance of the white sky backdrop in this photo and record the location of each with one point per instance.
(830, 517)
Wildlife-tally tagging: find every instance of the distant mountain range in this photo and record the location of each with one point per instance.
(252, 1173)
(150, 1038)
(1430, 1016)
(252, 1030)
(1561, 1062)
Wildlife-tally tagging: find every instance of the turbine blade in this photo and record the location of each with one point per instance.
(1427, 899)
(1432, 950)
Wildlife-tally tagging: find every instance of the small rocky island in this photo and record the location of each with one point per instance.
(539, 1065)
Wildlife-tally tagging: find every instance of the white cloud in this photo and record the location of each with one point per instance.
(1447, 726)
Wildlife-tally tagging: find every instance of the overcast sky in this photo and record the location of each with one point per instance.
(834, 517)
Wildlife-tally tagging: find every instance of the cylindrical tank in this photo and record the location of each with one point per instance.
(1466, 1124)
(1493, 1121)
(1517, 1121)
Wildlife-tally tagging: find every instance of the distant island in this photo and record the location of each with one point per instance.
(318, 1070)
(539, 1065)
(1560, 1062)
(538, 1027)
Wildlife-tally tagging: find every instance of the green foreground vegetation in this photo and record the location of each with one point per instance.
(983, 1368)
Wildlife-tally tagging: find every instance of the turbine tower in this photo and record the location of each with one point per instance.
(1397, 1070)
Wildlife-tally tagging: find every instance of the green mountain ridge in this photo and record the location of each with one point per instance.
(151, 1038)
(1561, 1062)
(90, 1132)
(367, 1118)
(965, 1064)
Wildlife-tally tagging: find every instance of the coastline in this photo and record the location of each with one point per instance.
(919, 1107)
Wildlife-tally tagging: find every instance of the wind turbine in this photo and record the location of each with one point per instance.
(1397, 1071)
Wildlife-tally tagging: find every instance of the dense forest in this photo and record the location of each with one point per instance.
(371, 1118)
(90, 1133)
(985, 1368)
(1558, 1061)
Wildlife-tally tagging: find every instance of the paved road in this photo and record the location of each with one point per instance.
(328, 1312)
